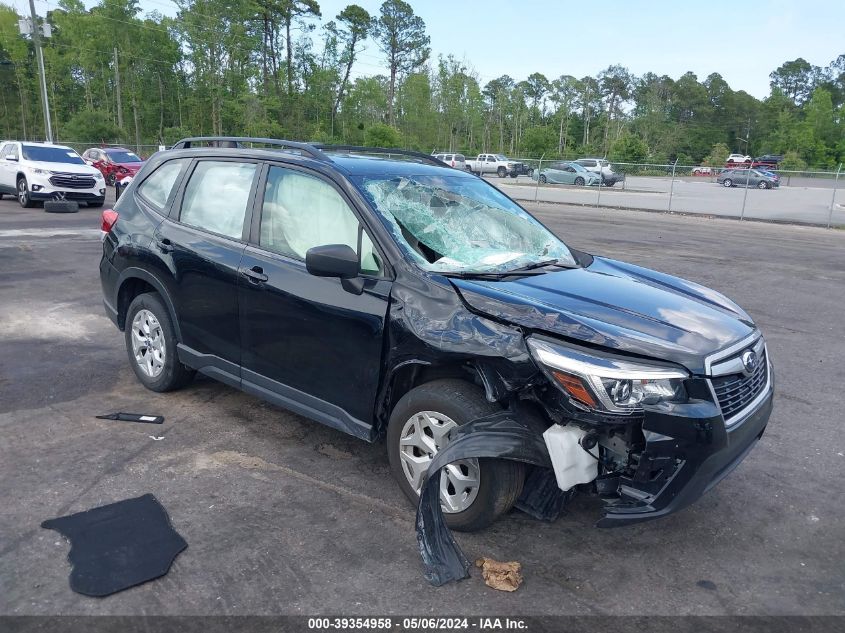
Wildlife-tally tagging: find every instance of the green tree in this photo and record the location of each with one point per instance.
(629, 149)
(381, 135)
(401, 36)
(93, 127)
(717, 156)
(539, 140)
(355, 27)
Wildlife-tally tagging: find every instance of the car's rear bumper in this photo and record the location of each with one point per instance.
(691, 450)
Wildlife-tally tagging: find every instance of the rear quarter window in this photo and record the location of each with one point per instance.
(158, 187)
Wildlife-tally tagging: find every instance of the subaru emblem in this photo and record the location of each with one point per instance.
(749, 361)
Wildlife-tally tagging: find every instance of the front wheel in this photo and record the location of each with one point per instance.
(111, 179)
(728, 183)
(543, 178)
(151, 345)
(502, 172)
(763, 185)
(473, 492)
(23, 194)
(579, 181)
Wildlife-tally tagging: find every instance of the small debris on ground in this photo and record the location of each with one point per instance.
(501, 576)
(133, 417)
(153, 437)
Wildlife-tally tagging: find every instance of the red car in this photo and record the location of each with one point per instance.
(113, 162)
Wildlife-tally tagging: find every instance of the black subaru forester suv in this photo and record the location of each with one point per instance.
(391, 297)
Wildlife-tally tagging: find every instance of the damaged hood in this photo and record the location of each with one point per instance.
(617, 306)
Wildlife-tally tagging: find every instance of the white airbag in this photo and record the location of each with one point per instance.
(572, 464)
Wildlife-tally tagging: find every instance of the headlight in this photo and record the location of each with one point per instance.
(99, 176)
(606, 383)
(41, 172)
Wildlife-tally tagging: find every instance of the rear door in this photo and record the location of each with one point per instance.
(308, 343)
(204, 240)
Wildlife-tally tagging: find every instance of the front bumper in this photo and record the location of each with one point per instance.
(40, 188)
(688, 451)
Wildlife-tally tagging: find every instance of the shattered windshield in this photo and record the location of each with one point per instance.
(460, 224)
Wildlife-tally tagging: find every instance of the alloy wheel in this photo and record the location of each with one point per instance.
(23, 194)
(422, 436)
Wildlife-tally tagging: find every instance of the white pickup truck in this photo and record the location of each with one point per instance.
(498, 164)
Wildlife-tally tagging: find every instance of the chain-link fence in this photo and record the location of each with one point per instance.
(806, 196)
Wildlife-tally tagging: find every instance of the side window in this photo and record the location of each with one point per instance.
(158, 187)
(4, 150)
(12, 150)
(217, 195)
(302, 211)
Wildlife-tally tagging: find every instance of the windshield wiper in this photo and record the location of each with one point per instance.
(462, 274)
(529, 270)
(543, 264)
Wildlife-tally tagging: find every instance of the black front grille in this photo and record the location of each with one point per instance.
(736, 391)
(71, 181)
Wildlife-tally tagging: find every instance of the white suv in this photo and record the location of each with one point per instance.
(602, 167)
(37, 171)
(458, 161)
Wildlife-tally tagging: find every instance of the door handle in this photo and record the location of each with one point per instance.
(164, 245)
(255, 274)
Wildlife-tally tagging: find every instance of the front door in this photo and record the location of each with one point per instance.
(306, 339)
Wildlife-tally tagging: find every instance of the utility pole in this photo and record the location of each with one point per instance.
(36, 38)
(117, 87)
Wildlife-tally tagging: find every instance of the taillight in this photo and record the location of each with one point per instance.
(108, 219)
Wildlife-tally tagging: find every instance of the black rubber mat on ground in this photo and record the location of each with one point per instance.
(118, 546)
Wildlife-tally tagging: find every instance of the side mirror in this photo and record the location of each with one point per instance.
(332, 260)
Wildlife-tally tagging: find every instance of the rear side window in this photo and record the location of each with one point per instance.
(158, 187)
(460, 158)
(301, 211)
(217, 196)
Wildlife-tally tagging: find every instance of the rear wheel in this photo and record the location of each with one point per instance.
(728, 183)
(579, 181)
(473, 492)
(543, 178)
(763, 185)
(151, 345)
(502, 172)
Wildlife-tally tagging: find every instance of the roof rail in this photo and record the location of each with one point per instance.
(357, 149)
(237, 141)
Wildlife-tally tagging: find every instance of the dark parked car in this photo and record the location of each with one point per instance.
(754, 177)
(397, 299)
(771, 161)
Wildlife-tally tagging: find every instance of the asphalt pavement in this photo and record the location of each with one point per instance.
(805, 201)
(283, 515)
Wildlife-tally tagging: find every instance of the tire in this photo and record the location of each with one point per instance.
(499, 481)
(172, 374)
(579, 181)
(514, 175)
(23, 194)
(530, 172)
(728, 183)
(543, 179)
(502, 172)
(763, 185)
(61, 206)
(110, 179)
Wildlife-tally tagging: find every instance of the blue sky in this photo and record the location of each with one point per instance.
(742, 40)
